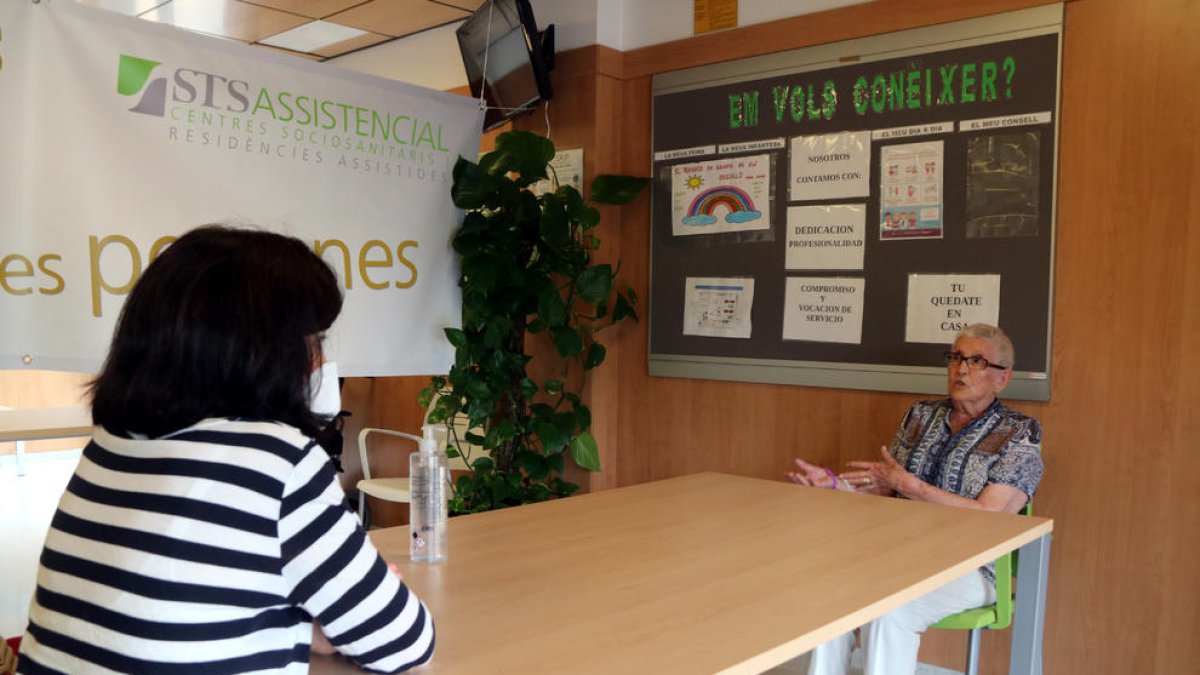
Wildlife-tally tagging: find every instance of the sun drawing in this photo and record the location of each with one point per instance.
(694, 182)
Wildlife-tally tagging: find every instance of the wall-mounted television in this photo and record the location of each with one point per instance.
(507, 60)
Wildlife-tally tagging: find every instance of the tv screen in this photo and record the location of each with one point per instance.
(504, 59)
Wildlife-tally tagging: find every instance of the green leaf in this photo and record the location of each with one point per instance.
(594, 283)
(551, 308)
(456, 337)
(472, 185)
(524, 152)
(496, 333)
(478, 389)
(478, 411)
(506, 430)
(551, 436)
(623, 309)
(567, 341)
(565, 421)
(481, 272)
(533, 464)
(588, 219)
(553, 386)
(595, 356)
(617, 189)
(556, 462)
(584, 451)
(553, 225)
(491, 439)
(562, 488)
(583, 417)
(425, 396)
(527, 387)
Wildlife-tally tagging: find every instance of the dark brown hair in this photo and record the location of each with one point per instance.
(221, 324)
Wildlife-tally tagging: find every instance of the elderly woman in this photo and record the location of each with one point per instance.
(968, 450)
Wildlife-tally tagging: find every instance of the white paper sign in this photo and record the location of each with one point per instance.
(140, 131)
(823, 309)
(940, 305)
(718, 307)
(726, 195)
(567, 169)
(831, 166)
(825, 237)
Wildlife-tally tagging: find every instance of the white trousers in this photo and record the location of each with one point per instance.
(890, 642)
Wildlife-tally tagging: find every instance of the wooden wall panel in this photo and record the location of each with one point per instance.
(1122, 478)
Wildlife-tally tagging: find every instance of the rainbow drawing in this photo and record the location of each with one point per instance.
(739, 205)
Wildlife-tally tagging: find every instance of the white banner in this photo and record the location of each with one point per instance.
(117, 134)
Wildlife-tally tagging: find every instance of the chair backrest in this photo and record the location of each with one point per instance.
(1006, 571)
(468, 452)
(362, 445)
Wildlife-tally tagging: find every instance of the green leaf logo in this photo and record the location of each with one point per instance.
(133, 73)
(133, 76)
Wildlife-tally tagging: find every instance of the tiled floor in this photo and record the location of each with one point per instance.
(26, 506)
(28, 502)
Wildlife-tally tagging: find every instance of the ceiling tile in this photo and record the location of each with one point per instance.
(314, 9)
(277, 50)
(347, 46)
(398, 17)
(226, 18)
(311, 36)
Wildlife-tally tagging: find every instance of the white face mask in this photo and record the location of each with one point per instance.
(323, 387)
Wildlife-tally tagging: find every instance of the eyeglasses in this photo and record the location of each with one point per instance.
(975, 362)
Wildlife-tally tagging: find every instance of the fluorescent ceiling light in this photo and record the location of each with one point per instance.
(313, 35)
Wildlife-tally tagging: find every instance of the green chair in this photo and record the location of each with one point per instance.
(997, 616)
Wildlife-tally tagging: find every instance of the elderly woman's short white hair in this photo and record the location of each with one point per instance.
(993, 334)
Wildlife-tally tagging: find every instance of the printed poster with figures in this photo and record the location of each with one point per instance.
(724, 195)
(718, 307)
(910, 191)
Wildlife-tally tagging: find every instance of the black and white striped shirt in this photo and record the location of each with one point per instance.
(209, 551)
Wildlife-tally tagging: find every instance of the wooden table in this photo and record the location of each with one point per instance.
(700, 574)
(40, 423)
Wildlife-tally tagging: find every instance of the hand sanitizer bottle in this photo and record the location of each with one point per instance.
(429, 481)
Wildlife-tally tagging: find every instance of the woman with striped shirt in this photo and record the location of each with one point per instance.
(204, 530)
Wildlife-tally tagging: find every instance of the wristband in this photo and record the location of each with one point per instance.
(832, 477)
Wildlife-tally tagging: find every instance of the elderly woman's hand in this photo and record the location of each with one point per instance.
(885, 477)
(811, 475)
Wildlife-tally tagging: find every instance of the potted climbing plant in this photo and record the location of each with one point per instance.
(527, 276)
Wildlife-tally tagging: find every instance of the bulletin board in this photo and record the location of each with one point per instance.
(833, 215)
